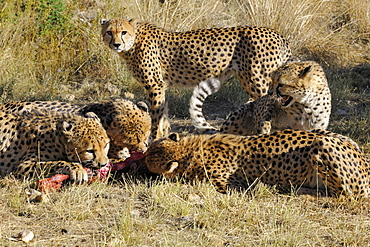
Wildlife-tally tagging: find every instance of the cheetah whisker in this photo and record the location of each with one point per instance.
(78, 156)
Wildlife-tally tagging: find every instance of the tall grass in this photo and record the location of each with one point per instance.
(50, 48)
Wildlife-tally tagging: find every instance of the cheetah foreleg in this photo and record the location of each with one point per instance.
(34, 169)
(158, 110)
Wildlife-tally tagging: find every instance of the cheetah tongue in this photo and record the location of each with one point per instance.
(285, 100)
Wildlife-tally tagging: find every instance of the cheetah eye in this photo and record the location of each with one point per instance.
(280, 85)
(109, 33)
(124, 33)
(90, 151)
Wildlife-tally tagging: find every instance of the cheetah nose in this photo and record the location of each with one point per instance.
(116, 45)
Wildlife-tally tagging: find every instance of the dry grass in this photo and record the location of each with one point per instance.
(59, 55)
(49, 54)
(159, 213)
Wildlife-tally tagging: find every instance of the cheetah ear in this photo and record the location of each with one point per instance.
(174, 137)
(103, 21)
(92, 115)
(304, 71)
(132, 22)
(143, 106)
(67, 127)
(171, 166)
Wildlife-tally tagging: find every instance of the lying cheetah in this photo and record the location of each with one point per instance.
(299, 99)
(322, 161)
(159, 59)
(45, 145)
(127, 124)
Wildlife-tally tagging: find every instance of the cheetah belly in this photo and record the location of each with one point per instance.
(316, 182)
(190, 74)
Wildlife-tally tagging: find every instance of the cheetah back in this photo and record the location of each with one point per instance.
(288, 158)
(158, 58)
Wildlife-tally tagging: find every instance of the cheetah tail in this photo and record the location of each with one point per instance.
(200, 93)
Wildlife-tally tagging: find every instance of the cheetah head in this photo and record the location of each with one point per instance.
(295, 81)
(118, 34)
(86, 140)
(164, 156)
(129, 126)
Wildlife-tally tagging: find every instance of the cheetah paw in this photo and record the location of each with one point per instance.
(78, 175)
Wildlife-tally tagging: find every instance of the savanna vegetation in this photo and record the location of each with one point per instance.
(52, 50)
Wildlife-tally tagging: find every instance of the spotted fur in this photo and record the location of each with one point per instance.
(299, 99)
(128, 125)
(159, 59)
(322, 161)
(44, 145)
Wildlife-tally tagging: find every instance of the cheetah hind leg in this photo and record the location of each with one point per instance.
(200, 93)
(164, 125)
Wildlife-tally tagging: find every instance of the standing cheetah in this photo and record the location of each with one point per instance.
(159, 59)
